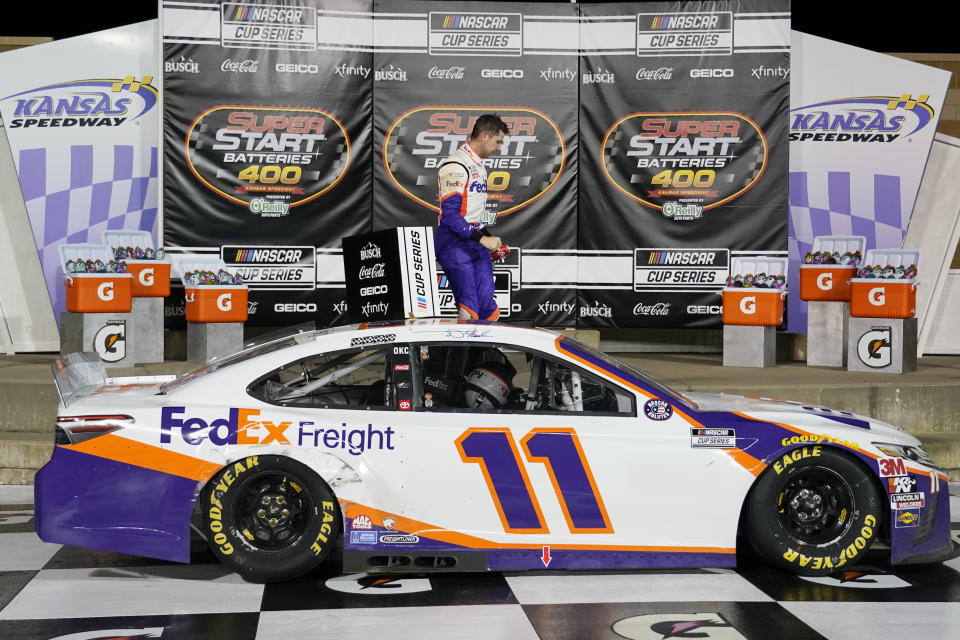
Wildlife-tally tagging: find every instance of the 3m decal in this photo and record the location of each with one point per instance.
(559, 449)
(891, 467)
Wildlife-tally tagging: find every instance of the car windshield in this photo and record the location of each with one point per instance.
(634, 373)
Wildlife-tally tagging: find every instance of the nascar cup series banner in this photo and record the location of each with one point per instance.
(267, 148)
(440, 66)
(861, 127)
(81, 118)
(683, 154)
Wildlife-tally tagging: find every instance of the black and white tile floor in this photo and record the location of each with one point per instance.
(49, 591)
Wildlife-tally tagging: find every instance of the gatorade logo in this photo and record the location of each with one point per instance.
(825, 281)
(105, 291)
(224, 302)
(874, 348)
(146, 277)
(110, 341)
(877, 296)
(748, 305)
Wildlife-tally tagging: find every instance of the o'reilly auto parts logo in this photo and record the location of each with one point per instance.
(684, 164)
(83, 103)
(868, 119)
(489, 34)
(110, 341)
(875, 347)
(273, 267)
(694, 269)
(531, 159)
(259, 26)
(694, 33)
(268, 159)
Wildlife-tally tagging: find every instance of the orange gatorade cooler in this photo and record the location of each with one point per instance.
(99, 292)
(754, 307)
(881, 298)
(217, 303)
(151, 278)
(825, 282)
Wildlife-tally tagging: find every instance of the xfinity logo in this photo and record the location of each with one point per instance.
(550, 73)
(502, 74)
(245, 66)
(345, 70)
(340, 307)
(711, 73)
(596, 311)
(663, 73)
(550, 307)
(376, 271)
(390, 74)
(657, 309)
(291, 307)
(450, 73)
(770, 72)
(183, 65)
(599, 77)
(379, 308)
(296, 68)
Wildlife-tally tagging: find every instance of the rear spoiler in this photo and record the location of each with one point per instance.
(78, 375)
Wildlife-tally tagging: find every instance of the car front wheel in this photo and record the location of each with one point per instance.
(270, 518)
(814, 511)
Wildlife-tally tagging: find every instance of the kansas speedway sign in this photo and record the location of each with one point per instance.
(529, 164)
(268, 159)
(683, 164)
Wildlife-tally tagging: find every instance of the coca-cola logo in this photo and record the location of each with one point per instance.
(657, 309)
(243, 66)
(451, 73)
(663, 73)
(375, 271)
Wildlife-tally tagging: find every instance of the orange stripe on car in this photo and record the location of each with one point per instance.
(112, 447)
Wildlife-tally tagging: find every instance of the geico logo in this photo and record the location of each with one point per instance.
(877, 296)
(372, 291)
(711, 73)
(501, 73)
(703, 309)
(748, 305)
(825, 281)
(105, 291)
(146, 277)
(297, 68)
(225, 301)
(291, 307)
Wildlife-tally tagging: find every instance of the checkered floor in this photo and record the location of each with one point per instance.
(49, 591)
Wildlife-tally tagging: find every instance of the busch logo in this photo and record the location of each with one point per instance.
(245, 66)
(376, 271)
(183, 65)
(657, 309)
(451, 73)
(596, 311)
(550, 73)
(390, 74)
(599, 77)
(345, 70)
(663, 73)
(369, 251)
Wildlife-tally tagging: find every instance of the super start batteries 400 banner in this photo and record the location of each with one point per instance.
(646, 145)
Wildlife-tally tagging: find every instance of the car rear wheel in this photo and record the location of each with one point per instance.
(814, 511)
(270, 518)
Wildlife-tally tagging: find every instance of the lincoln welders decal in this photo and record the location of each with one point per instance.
(684, 163)
(530, 161)
(268, 159)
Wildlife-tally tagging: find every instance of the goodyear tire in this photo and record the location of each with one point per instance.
(814, 511)
(270, 518)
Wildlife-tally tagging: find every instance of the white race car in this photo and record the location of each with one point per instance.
(436, 445)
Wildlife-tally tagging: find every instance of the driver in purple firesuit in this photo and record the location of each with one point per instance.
(462, 241)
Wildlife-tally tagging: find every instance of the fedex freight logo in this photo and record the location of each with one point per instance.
(531, 159)
(267, 159)
(273, 267)
(489, 34)
(684, 164)
(245, 426)
(881, 119)
(83, 103)
(693, 33)
(258, 26)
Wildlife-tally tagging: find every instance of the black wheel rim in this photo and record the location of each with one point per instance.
(815, 506)
(272, 510)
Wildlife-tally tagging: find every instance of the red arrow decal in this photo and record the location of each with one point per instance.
(546, 557)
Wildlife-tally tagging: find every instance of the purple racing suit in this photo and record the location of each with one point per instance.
(463, 221)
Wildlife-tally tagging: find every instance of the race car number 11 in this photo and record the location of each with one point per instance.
(559, 450)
